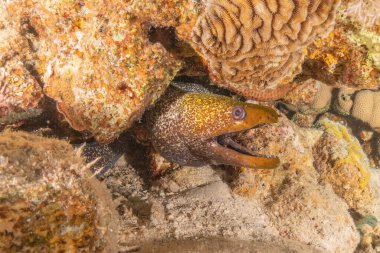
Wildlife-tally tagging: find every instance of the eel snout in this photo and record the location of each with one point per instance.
(258, 115)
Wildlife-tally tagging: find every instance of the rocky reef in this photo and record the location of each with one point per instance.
(84, 83)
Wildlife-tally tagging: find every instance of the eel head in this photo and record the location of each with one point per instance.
(227, 118)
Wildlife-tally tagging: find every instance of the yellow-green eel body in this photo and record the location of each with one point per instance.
(193, 127)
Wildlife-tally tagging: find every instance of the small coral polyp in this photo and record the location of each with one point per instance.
(256, 46)
(363, 105)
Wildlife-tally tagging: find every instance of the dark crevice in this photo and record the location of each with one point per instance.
(30, 66)
(27, 28)
(166, 36)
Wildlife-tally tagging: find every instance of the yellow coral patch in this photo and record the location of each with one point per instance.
(355, 153)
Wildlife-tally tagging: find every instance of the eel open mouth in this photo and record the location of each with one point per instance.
(239, 155)
(227, 141)
(225, 148)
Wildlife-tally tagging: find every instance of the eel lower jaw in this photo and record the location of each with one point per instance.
(233, 153)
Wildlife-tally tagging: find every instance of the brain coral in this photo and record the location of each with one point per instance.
(258, 45)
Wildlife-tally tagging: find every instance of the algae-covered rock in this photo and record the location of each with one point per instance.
(339, 157)
(48, 202)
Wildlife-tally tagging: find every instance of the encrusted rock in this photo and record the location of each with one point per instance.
(366, 13)
(341, 161)
(350, 55)
(95, 60)
(20, 93)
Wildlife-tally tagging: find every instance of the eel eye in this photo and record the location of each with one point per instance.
(238, 113)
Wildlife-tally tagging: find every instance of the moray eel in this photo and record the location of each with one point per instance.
(194, 127)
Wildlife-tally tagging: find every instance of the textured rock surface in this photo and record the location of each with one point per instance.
(20, 93)
(181, 14)
(196, 208)
(95, 59)
(47, 198)
(253, 46)
(191, 202)
(370, 241)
